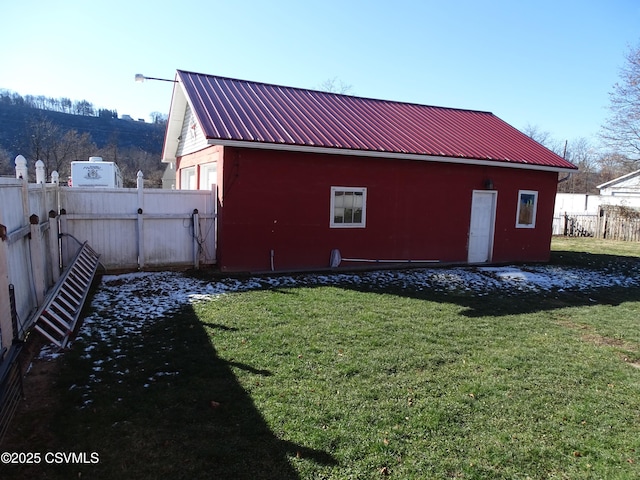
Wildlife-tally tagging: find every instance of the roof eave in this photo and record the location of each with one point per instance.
(610, 183)
(174, 123)
(389, 155)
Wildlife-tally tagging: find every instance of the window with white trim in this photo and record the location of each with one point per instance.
(208, 175)
(527, 207)
(188, 178)
(348, 207)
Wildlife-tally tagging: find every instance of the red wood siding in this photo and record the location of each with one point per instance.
(280, 202)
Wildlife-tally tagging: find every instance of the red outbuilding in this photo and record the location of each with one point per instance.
(309, 180)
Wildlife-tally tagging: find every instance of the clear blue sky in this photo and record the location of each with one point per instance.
(545, 63)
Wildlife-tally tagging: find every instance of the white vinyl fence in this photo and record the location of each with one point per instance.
(28, 253)
(42, 226)
(138, 228)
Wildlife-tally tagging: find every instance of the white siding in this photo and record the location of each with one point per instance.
(191, 137)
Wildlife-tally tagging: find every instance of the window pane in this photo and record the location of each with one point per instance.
(348, 215)
(527, 202)
(357, 215)
(348, 207)
(527, 205)
(348, 199)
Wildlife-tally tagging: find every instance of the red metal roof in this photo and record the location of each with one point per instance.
(237, 110)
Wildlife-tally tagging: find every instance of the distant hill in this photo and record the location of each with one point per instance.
(58, 138)
(15, 123)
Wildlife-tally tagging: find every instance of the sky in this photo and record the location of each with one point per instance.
(548, 64)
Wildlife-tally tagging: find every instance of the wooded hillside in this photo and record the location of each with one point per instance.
(58, 138)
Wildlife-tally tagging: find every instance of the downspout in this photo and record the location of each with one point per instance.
(564, 157)
(565, 178)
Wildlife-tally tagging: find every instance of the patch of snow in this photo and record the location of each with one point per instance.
(123, 304)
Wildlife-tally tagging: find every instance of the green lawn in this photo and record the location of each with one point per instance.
(341, 383)
(596, 246)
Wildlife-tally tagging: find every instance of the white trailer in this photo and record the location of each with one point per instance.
(95, 173)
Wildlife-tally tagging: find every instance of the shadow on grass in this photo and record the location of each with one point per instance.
(500, 301)
(509, 303)
(162, 404)
(505, 302)
(594, 260)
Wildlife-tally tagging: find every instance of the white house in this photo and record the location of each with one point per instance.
(628, 185)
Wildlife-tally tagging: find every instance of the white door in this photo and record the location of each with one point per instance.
(483, 214)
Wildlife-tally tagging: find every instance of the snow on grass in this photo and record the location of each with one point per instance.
(123, 304)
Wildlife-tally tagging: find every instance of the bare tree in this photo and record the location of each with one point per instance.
(66, 105)
(57, 148)
(84, 107)
(621, 132)
(43, 139)
(534, 132)
(334, 85)
(613, 165)
(581, 153)
(544, 138)
(6, 165)
(159, 118)
(71, 146)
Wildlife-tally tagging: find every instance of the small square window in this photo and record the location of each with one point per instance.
(348, 207)
(527, 206)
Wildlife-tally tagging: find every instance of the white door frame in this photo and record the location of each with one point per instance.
(485, 237)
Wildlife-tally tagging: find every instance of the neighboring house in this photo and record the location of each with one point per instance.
(582, 210)
(608, 215)
(628, 186)
(302, 175)
(624, 190)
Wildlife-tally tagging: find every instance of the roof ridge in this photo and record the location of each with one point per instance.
(276, 116)
(323, 92)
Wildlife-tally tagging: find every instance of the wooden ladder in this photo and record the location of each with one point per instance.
(57, 318)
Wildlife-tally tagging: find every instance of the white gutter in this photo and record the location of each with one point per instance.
(378, 154)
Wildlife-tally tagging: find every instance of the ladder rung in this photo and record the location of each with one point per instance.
(63, 300)
(51, 328)
(81, 280)
(89, 259)
(78, 286)
(64, 311)
(71, 293)
(79, 274)
(58, 318)
(46, 334)
(83, 268)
